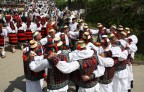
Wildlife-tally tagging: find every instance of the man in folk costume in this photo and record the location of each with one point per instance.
(121, 74)
(57, 81)
(86, 37)
(113, 30)
(3, 34)
(81, 23)
(65, 38)
(48, 41)
(105, 81)
(81, 32)
(131, 40)
(28, 30)
(37, 37)
(21, 32)
(34, 66)
(102, 31)
(44, 24)
(12, 34)
(119, 30)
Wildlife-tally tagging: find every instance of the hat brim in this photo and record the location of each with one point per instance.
(60, 43)
(34, 46)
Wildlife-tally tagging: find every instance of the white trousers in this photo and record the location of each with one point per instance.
(93, 89)
(106, 87)
(64, 89)
(120, 84)
(42, 82)
(33, 86)
(130, 75)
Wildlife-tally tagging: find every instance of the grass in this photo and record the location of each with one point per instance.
(139, 58)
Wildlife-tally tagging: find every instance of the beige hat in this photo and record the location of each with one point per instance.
(52, 30)
(120, 28)
(99, 25)
(58, 41)
(85, 24)
(85, 35)
(35, 34)
(65, 26)
(127, 29)
(33, 44)
(111, 35)
(80, 20)
(123, 33)
(113, 26)
(85, 27)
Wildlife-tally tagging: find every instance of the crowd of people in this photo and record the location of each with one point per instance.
(59, 47)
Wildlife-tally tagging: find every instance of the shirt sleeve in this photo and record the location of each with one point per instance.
(43, 41)
(65, 67)
(99, 71)
(123, 55)
(39, 65)
(106, 62)
(90, 45)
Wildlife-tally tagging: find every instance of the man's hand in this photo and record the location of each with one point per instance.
(85, 78)
(52, 55)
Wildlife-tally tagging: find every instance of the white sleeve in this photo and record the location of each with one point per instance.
(133, 48)
(123, 55)
(106, 62)
(99, 71)
(39, 65)
(90, 45)
(43, 41)
(65, 67)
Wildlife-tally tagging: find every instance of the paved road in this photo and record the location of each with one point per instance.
(12, 79)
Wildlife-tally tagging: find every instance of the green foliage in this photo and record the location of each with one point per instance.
(61, 3)
(139, 58)
(129, 13)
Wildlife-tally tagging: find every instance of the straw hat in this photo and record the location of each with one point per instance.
(123, 33)
(52, 30)
(35, 34)
(65, 26)
(127, 30)
(99, 25)
(113, 26)
(33, 44)
(111, 35)
(120, 28)
(86, 35)
(58, 41)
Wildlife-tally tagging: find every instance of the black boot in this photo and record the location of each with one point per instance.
(131, 84)
(77, 87)
(129, 90)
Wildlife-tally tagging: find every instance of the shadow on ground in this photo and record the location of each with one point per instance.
(18, 83)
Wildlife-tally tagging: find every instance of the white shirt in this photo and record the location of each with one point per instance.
(73, 27)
